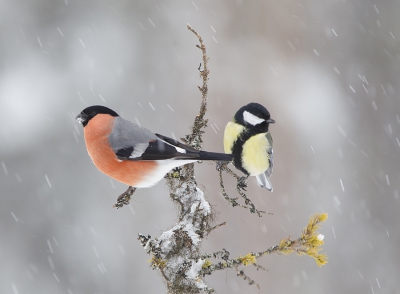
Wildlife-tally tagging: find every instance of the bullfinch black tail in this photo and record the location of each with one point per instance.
(204, 155)
(191, 153)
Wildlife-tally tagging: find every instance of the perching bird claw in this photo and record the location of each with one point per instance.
(242, 183)
(125, 197)
(221, 165)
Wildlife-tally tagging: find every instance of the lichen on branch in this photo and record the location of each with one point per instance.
(309, 243)
(176, 252)
(194, 139)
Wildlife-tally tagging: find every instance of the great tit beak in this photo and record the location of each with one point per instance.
(81, 118)
(270, 121)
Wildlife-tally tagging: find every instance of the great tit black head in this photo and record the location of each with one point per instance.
(254, 115)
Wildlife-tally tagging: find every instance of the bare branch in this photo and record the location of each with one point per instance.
(175, 253)
(308, 244)
(240, 187)
(194, 139)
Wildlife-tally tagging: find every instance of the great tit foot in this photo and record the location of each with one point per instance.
(220, 165)
(124, 198)
(242, 183)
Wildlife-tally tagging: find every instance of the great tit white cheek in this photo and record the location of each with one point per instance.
(251, 118)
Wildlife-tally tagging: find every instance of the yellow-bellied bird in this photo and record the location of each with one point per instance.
(248, 139)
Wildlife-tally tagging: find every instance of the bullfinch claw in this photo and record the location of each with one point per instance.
(124, 198)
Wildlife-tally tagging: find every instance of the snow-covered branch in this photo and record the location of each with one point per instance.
(176, 252)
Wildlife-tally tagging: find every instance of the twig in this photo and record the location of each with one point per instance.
(175, 253)
(194, 139)
(240, 187)
(240, 273)
(216, 227)
(223, 254)
(308, 244)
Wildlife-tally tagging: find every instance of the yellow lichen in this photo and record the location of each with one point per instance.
(248, 259)
(321, 259)
(313, 241)
(157, 262)
(314, 223)
(310, 241)
(284, 246)
(206, 263)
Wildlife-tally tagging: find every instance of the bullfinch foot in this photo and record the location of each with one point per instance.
(125, 197)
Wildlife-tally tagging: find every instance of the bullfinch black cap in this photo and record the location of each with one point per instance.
(89, 112)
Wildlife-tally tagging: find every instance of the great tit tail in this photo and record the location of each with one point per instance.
(264, 182)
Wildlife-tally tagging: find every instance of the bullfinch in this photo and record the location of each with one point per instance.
(247, 138)
(131, 154)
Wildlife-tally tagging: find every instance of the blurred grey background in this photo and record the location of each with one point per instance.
(328, 72)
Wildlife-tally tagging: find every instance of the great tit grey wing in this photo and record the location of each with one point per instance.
(268, 172)
(263, 179)
(270, 152)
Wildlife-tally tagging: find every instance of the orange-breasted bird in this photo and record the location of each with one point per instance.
(131, 154)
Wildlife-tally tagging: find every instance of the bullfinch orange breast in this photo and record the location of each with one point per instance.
(131, 154)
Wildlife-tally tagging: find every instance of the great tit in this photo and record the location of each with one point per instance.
(248, 139)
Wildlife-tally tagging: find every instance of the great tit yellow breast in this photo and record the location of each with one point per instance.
(232, 133)
(255, 155)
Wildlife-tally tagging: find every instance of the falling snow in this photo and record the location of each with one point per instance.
(83, 45)
(195, 6)
(152, 23)
(328, 73)
(47, 180)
